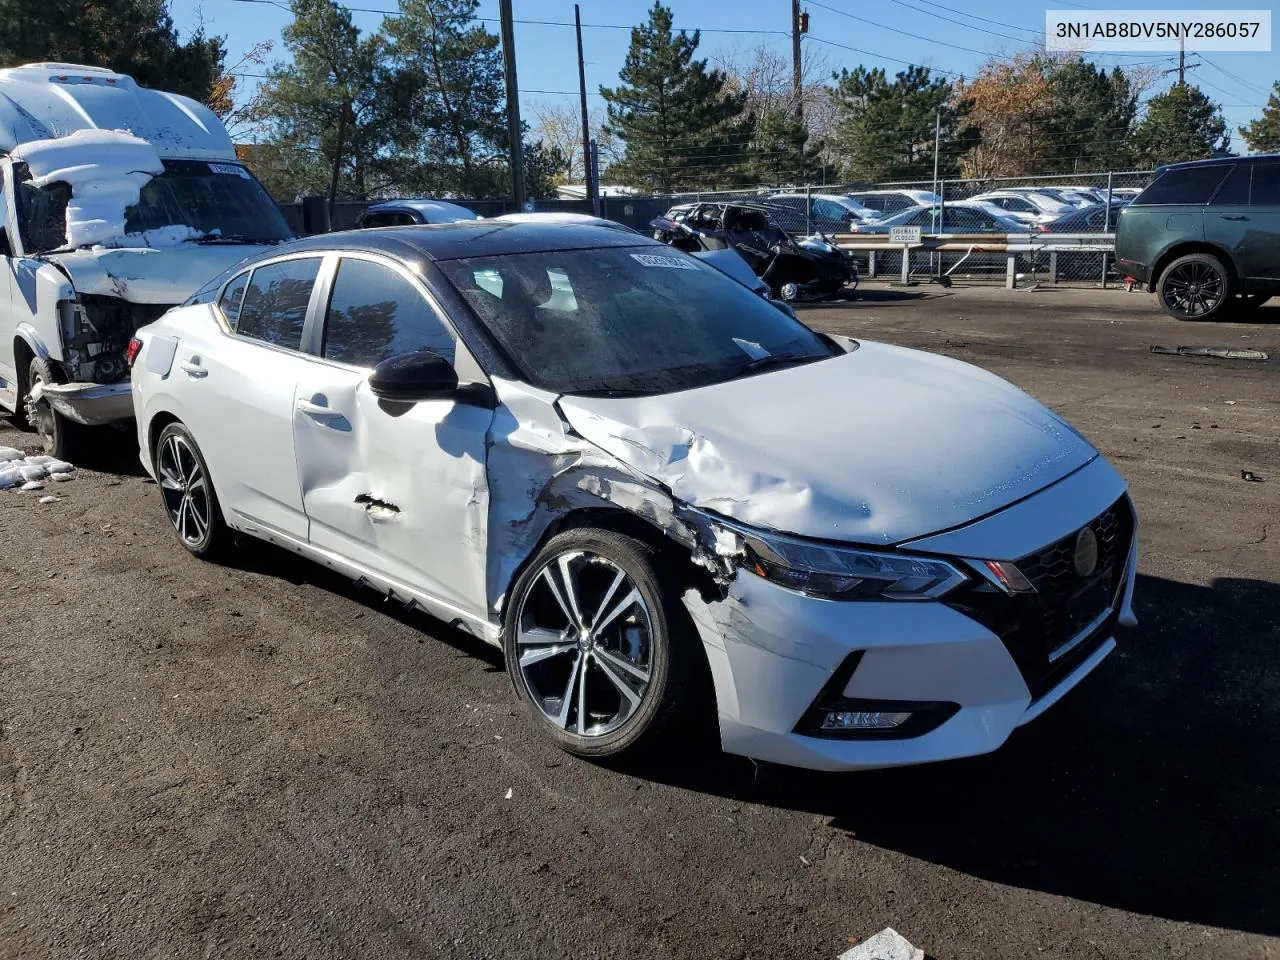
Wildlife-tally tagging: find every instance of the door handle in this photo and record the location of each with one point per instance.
(193, 368)
(316, 409)
(324, 415)
(1226, 217)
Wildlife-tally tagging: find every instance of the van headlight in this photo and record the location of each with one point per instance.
(840, 572)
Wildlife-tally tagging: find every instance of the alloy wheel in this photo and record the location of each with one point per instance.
(585, 642)
(1194, 289)
(185, 489)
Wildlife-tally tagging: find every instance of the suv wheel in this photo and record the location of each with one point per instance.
(1194, 287)
(598, 643)
(59, 436)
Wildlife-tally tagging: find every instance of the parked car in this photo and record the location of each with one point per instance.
(959, 217)
(1038, 205)
(1066, 196)
(402, 213)
(104, 231)
(888, 202)
(1205, 236)
(644, 497)
(1092, 219)
(828, 213)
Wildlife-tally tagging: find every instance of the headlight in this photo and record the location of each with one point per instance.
(840, 572)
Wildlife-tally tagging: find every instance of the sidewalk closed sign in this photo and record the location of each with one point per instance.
(904, 234)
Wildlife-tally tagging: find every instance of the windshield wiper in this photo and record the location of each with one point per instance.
(775, 360)
(232, 238)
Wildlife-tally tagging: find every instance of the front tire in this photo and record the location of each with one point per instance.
(60, 437)
(1195, 287)
(598, 644)
(187, 492)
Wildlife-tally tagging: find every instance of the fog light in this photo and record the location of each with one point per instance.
(863, 720)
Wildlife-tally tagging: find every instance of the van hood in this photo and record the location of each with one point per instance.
(879, 446)
(150, 275)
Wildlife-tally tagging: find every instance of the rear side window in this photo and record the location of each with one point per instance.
(231, 297)
(275, 304)
(1235, 189)
(1190, 185)
(375, 313)
(1266, 185)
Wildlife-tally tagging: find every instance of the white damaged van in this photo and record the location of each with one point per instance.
(118, 203)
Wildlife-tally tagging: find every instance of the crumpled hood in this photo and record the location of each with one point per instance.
(879, 446)
(150, 274)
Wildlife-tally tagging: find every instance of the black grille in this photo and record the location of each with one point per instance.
(1033, 626)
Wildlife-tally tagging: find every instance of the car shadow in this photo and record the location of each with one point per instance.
(256, 556)
(865, 295)
(1153, 788)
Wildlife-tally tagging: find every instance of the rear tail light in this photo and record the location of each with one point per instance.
(1041, 228)
(131, 352)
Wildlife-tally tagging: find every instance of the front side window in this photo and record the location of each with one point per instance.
(375, 313)
(1190, 185)
(617, 320)
(1235, 189)
(274, 308)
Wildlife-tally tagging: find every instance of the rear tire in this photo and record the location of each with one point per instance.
(186, 490)
(598, 644)
(1195, 287)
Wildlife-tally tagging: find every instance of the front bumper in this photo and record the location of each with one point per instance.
(773, 653)
(92, 404)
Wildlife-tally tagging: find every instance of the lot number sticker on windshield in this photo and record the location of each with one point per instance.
(653, 260)
(229, 169)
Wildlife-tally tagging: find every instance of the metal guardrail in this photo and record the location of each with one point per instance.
(1013, 245)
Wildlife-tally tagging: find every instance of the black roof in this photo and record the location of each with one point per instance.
(472, 238)
(1212, 160)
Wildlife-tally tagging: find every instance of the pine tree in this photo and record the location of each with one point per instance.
(680, 124)
(1091, 116)
(779, 152)
(134, 37)
(450, 102)
(332, 87)
(885, 130)
(1181, 124)
(1263, 135)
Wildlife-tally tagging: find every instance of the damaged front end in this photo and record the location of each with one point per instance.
(95, 333)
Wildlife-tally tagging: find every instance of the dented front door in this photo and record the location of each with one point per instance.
(398, 489)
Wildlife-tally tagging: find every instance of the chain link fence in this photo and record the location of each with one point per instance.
(1040, 206)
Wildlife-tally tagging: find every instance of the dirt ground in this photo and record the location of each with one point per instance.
(257, 759)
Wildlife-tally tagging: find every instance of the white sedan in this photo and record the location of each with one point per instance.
(655, 490)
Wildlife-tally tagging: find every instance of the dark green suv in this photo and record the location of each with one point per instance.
(1205, 236)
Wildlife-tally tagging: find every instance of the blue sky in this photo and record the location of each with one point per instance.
(546, 57)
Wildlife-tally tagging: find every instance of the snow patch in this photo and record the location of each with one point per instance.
(29, 473)
(105, 170)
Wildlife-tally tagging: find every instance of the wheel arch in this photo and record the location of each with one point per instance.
(156, 426)
(1184, 248)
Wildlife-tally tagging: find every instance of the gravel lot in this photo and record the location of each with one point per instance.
(259, 760)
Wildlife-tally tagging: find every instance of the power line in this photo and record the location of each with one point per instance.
(1231, 76)
(545, 23)
(968, 26)
(879, 56)
(906, 33)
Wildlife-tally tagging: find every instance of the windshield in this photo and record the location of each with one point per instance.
(627, 320)
(221, 200)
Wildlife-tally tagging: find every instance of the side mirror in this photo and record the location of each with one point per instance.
(410, 377)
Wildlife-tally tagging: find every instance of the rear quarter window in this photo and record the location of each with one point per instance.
(1190, 185)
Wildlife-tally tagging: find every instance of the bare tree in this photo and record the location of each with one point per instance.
(765, 75)
(558, 123)
(239, 114)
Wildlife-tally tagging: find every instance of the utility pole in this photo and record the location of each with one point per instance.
(513, 103)
(799, 25)
(1182, 67)
(592, 187)
(937, 142)
(343, 113)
